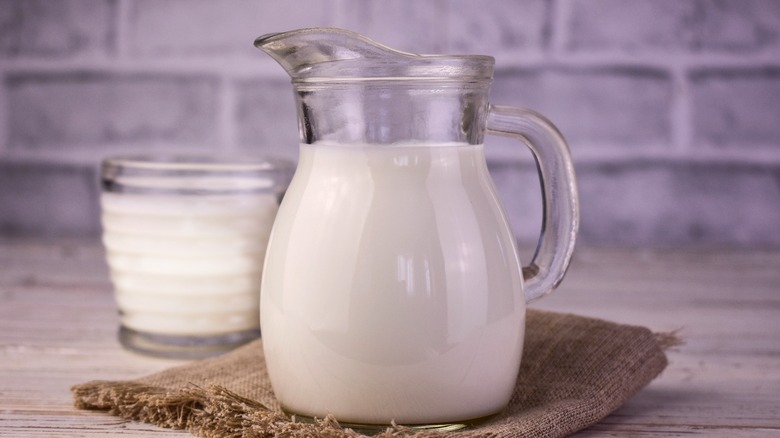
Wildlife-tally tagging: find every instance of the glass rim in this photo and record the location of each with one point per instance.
(194, 174)
(205, 162)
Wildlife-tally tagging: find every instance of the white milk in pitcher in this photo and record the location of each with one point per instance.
(187, 265)
(392, 287)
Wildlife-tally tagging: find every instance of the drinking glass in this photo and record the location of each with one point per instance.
(185, 240)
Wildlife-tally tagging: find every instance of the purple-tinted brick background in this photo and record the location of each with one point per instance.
(60, 110)
(671, 107)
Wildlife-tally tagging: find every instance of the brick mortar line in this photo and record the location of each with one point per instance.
(226, 117)
(658, 160)
(559, 32)
(339, 12)
(736, 158)
(87, 156)
(241, 65)
(5, 132)
(244, 68)
(240, 69)
(680, 113)
(648, 162)
(122, 17)
(531, 60)
(230, 68)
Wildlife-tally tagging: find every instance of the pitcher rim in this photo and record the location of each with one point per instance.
(318, 54)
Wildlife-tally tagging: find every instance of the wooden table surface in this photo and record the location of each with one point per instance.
(58, 328)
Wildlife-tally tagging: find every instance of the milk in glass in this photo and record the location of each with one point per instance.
(187, 265)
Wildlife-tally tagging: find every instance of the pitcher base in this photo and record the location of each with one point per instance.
(374, 429)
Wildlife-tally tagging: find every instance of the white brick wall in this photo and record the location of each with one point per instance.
(671, 107)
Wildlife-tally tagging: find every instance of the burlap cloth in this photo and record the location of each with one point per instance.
(574, 372)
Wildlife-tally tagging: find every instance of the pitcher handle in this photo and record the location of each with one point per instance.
(560, 205)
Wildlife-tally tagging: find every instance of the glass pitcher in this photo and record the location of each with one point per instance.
(392, 289)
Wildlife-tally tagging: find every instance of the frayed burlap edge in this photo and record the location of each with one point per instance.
(668, 340)
(208, 412)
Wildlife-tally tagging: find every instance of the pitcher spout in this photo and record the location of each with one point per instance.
(332, 53)
(301, 51)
